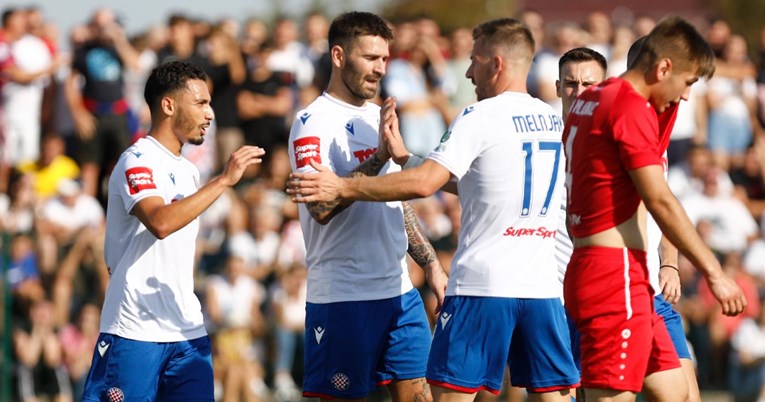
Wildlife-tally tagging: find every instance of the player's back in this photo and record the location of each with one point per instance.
(506, 153)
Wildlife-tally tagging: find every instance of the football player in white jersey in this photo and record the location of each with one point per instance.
(504, 152)
(153, 344)
(365, 323)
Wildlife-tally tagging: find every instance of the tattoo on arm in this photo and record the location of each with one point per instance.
(420, 249)
(325, 211)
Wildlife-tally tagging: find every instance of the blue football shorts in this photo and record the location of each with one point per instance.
(477, 336)
(133, 371)
(352, 347)
(674, 324)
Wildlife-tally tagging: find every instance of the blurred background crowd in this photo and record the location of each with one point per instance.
(66, 113)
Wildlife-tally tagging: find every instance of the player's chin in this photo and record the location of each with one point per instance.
(197, 140)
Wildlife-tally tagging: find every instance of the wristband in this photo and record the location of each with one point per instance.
(669, 266)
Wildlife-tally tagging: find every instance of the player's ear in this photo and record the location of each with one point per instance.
(557, 89)
(167, 104)
(663, 69)
(337, 55)
(499, 63)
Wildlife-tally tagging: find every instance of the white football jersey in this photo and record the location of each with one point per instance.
(506, 154)
(151, 292)
(361, 253)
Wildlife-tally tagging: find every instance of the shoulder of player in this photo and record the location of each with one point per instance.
(141, 153)
(331, 118)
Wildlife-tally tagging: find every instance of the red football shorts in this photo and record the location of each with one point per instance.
(610, 299)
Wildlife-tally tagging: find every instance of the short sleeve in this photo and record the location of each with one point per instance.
(135, 181)
(462, 143)
(636, 133)
(310, 140)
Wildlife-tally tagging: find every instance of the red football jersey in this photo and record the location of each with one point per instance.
(611, 129)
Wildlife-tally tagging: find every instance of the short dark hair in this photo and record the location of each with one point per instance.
(635, 49)
(176, 19)
(7, 13)
(507, 32)
(348, 26)
(678, 40)
(168, 78)
(582, 54)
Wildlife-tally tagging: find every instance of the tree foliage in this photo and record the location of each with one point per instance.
(449, 14)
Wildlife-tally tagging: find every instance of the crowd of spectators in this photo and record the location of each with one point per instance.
(65, 116)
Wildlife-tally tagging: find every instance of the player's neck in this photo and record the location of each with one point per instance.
(167, 139)
(339, 91)
(638, 82)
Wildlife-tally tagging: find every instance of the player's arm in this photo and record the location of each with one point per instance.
(674, 223)
(163, 219)
(424, 255)
(669, 275)
(324, 210)
(324, 185)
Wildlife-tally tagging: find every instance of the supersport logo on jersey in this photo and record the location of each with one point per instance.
(139, 179)
(307, 149)
(540, 231)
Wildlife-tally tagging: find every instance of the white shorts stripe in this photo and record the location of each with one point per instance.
(627, 297)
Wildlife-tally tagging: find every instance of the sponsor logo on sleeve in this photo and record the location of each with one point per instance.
(139, 179)
(307, 149)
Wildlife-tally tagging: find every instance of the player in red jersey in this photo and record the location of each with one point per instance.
(614, 174)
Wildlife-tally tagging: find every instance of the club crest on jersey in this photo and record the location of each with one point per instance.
(340, 381)
(139, 179)
(306, 150)
(444, 138)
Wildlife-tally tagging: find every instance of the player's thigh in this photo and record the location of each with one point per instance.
(343, 345)
(674, 324)
(407, 343)
(540, 352)
(471, 343)
(666, 386)
(188, 375)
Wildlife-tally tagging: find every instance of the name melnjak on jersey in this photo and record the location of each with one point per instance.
(583, 107)
(537, 122)
(307, 149)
